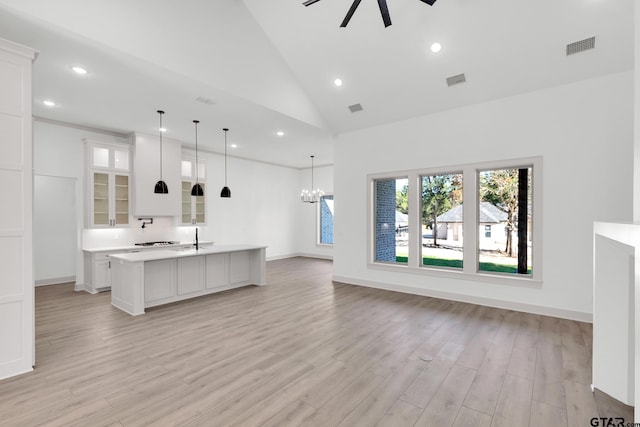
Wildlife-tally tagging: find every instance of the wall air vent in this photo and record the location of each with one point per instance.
(355, 108)
(581, 46)
(456, 80)
(204, 100)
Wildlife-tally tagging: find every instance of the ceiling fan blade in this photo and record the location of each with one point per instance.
(310, 2)
(352, 9)
(429, 2)
(384, 10)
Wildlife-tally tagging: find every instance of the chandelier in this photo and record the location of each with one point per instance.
(314, 195)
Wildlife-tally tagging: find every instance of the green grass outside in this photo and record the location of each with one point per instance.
(457, 263)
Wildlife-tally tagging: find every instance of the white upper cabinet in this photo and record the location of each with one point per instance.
(194, 208)
(108, 184)
(146, 169)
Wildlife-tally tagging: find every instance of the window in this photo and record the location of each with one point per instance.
(442, 220)
(505, 202)
(391, 204)
(325, 213)
(420, 220)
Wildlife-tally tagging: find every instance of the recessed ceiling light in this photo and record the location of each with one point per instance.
(337, 82)
(49, 103)
(79, 70)
(280, 133)
(163, 129)
(234, 145)
(436, 47)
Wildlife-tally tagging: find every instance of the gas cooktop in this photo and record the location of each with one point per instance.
(163, 243)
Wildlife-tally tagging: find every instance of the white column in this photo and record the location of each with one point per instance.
(636, 201)
(636, 140)
(17, 333)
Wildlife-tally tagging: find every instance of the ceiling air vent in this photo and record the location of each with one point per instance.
(581, 46)
(355, 108)
(204, 100)
(455, 80)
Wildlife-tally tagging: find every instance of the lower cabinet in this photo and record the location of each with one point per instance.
(191, 274)
(174, 279)
(216, 270)
(239, 265)
(160, 280)
(97, 274)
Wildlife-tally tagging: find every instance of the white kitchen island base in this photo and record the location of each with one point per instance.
(148, 279)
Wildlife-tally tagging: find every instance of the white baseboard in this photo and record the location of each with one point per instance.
(317, 256)
(55, 281)
(489, 302)
(300, 254)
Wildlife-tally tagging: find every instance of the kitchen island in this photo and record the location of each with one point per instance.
(148, 279)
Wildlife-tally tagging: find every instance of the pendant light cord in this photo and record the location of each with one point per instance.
(312, 174)
(197, 169)
(160, 112)
(225, 156)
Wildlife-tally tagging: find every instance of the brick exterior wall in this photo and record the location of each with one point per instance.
(385, 220)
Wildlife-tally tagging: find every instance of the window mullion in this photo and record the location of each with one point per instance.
(470, 215)
(415, 230)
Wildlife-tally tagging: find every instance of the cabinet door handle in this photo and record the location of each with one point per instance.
(109, 264)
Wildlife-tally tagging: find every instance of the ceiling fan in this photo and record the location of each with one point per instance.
(384, 10)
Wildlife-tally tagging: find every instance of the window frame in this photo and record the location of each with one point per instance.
(420, 201)
(371, 241)
(470, 270)
(319, 221)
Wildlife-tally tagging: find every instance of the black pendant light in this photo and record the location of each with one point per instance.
(196, 190)
(161, 186)
(226, 191)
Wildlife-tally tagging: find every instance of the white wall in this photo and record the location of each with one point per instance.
(58, 151)
(261, 209)
(55, 229)
(307, 224)
(583, 131)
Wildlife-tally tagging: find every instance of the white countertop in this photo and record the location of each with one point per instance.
(137, 247)
(180, 253)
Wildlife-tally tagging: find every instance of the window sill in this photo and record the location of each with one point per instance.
(449, 273)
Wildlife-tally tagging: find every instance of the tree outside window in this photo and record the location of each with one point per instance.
(442, 220)
(508, 190)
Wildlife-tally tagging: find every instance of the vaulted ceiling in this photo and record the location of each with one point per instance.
(269, 66)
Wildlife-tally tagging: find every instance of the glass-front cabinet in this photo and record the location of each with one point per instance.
(109, 189)
(193, 207)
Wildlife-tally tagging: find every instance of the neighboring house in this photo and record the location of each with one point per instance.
(492, 226)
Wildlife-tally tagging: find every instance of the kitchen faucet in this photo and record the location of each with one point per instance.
(196, 238)
(145, 221)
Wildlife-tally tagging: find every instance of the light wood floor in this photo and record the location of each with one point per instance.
(302, 351)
